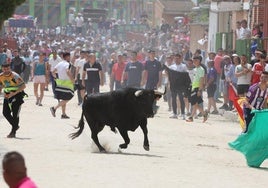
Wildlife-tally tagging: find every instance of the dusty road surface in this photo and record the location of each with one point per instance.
(182, 155)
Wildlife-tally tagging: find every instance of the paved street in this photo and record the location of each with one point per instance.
(182, 154)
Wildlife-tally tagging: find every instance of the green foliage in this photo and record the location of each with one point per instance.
(200, 16)
(7, 8)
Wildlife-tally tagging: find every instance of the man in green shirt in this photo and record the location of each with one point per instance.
(197, 87)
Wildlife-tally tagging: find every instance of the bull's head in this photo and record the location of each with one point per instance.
(157, 94)
(147, 98)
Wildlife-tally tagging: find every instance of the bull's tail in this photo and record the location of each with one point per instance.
(80, 128)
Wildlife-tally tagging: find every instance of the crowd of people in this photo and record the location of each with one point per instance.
(99, 58)
(86, 62)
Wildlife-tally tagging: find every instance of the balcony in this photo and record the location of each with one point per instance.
(175, 7)
(226, 6)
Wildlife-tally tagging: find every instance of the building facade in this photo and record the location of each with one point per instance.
(51, 13)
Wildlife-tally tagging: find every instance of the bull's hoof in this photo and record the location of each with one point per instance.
(147, 148)
(102, 150)
(123, 146)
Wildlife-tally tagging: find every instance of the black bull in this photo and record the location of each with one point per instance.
(125, 109)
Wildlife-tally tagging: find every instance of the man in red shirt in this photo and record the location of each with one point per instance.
(117, 72)
(15, 171)
(257, 69)
(217, 64)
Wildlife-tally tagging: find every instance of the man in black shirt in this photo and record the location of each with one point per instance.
(94, 73)
(17, 63)
(153, 72)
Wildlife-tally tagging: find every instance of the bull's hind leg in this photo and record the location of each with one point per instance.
(94, 136)
(126, 139)
(143, 126)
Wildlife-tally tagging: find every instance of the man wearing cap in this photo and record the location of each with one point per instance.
(13, 97)
(257, 58)
(153, 72)
(196, 91)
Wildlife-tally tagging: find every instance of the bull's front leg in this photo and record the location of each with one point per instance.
(124, 134)
(143, 126)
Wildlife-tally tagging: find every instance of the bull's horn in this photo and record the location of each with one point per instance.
(160, 93)
(138, 93)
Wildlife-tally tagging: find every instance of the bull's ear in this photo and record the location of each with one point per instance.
(138, 93)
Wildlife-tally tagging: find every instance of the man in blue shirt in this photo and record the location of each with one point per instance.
(133, 72)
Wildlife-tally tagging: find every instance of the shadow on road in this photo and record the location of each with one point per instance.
(131, 154)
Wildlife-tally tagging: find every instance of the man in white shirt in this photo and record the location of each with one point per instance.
(79, 20)
(64, 85)
(178, 66)
(79, 64)
(245, 32)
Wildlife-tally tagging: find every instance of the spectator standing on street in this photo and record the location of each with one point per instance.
(178, 90)
(227, 67)
(17, 63)
(28, 66)
(133, 72)
(196, 92)
(78, 76)
(152, 73)
(54, 59)
(117, 72)
(243, 73)
(211, 87)
(3, 57)
(15, 171)
(8, 52)
(93, 70)
(217, 64)
(166, 83)
(64, 85)
(257, 69)
(13, 97)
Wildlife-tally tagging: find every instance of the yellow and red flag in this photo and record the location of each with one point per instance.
(238, 104)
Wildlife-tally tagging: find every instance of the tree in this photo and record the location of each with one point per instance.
(7, 8)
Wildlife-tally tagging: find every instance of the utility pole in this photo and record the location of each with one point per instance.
(63, 12)
(251, 2)
(95, 4)
(31, 7)
(45, 14)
